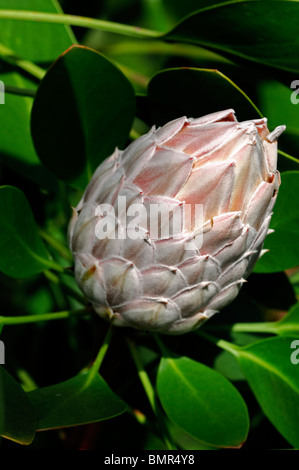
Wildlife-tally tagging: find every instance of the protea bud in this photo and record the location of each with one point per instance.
(220, 176)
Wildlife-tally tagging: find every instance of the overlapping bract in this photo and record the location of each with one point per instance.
(173, 284)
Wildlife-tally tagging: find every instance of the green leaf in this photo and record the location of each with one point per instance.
(246, 30)
(279, 102)
(37, 42)
(16, 147)
(202, 402)
(226, 364)
(74, 402)
(19, 420)
(283, 244)
(34, 41)
(289, 325)
(273, 377)
(197, 92)
(179, 9)
(83, 109)
(22, 251)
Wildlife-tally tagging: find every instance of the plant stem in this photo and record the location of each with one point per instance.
(13, 90)
(68, 289)
(57, 245)
(22, 319)
(101, 354)
(150, 393)
(259, 327)
(286, 155)
(148, 388)
(10, 57)
(81, 21)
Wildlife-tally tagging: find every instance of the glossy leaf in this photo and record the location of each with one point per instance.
(34, 41)
(75, 401)
(289, 324)
(202, 402)
(16, 148)
(22, 251)
(83, 109)
(38, 42)
(19, 420)
(273, 377)
(197, 92)
(227, 365)
(179, 9)
(246, 30)
(283, 243)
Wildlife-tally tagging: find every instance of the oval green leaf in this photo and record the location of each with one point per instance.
(246, 30)
(271, 370)
(202, 402)
(35, 41)
(197, 92)
(22, 250)
(19, 420)
(16, 147)
(75, 401)
(83, 109)
(283, 244)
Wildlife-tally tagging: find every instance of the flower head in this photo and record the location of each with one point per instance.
(168, 230)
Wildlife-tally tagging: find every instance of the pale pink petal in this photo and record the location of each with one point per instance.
(165, 217)
(174, 251)
(102, 173)
(150, 314)
(219, 116)
(121, 280)
(210, 186)
(162, 281)
(225, 296)
(198, 140)
(169, 130)
(165, 173)
(224, 230)
(251, 169)
(89, 278)
(200, 268)
(137, 156)
(234, 272)
(185, 325)
(260, 203)
(231, 252)
(270, 149)
(193, 299)
(140, 251)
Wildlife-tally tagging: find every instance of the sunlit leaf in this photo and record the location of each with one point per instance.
(34, 41)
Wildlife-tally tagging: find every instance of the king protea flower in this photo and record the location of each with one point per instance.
(136, 271)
